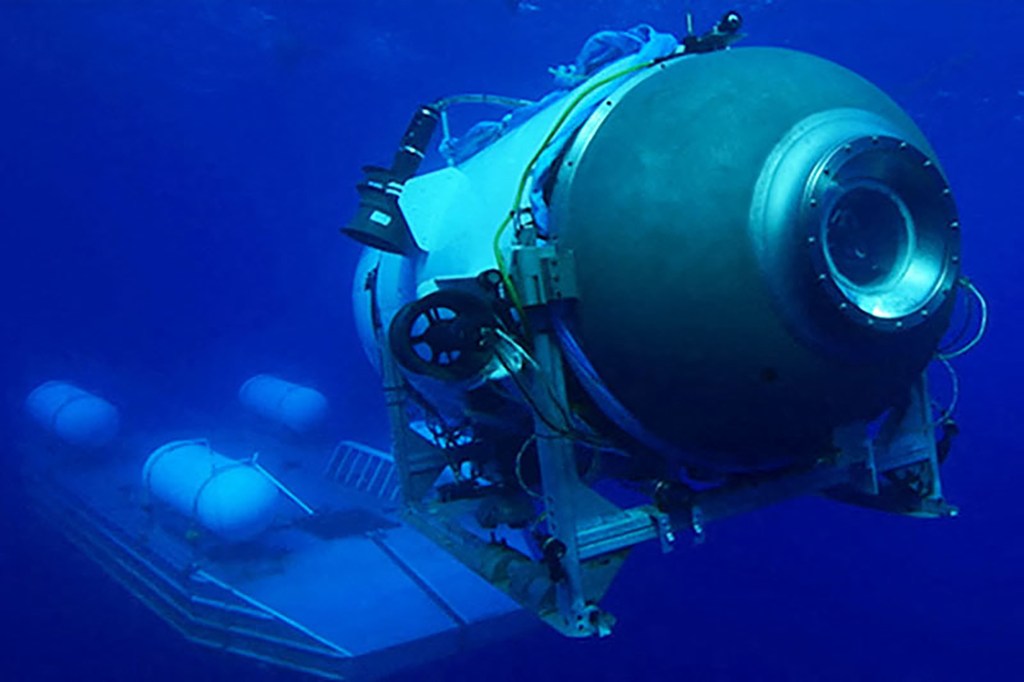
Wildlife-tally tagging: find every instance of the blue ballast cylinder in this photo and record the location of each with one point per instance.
(73, 415)
(229, 498)
(300, 408)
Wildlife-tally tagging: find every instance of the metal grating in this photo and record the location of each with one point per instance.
(360, 467)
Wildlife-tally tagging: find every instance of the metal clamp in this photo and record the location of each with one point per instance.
(665, 533)
(543, 274)
(697, 525)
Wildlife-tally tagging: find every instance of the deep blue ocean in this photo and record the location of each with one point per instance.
(172, 179)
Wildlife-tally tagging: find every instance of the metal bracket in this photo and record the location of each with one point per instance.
(543, 274)
(907, 437)
(905, 464)
(858, 454)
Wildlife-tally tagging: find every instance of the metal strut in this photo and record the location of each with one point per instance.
(561, 486)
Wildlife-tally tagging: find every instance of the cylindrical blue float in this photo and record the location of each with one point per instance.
(300, 408)
(73, 415)
(230, 498)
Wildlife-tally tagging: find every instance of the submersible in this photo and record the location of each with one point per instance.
(716, 274)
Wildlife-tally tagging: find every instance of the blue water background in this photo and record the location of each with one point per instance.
(172, 179)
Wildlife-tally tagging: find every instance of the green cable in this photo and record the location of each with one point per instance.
(575, 102)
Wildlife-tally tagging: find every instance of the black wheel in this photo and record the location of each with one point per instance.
(441, 335)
